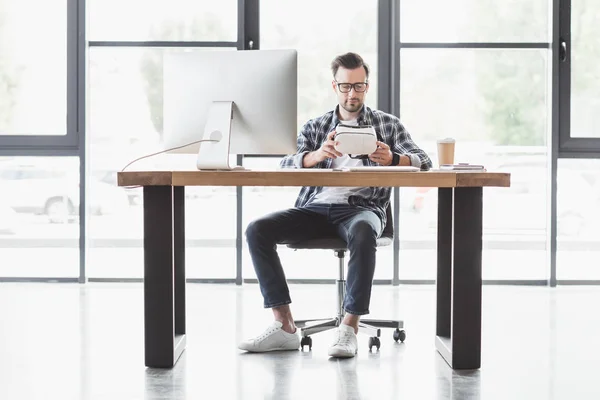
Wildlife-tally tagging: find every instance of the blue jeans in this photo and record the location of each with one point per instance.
(359, 227)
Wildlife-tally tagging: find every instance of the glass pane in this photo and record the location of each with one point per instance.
(585, 75)
(33, 68)
(474, 21)
(578, 207)
(123, 128)
(495, 103)
(300, 264)
(39, 210)
(286, 27)
(175, 20)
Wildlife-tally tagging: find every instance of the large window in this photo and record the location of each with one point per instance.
(477, 71)
(126, 122)
(494, 103)
(39, 216)
(39, 163)
(33, 67)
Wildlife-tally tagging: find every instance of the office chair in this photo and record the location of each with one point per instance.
(370, 326)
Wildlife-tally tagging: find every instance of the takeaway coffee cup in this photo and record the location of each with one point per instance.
(445, 149)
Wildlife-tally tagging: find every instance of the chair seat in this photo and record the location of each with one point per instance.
(332, 243)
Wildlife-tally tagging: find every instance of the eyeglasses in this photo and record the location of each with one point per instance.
(358, 87)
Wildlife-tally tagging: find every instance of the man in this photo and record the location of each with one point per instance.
(357, 214)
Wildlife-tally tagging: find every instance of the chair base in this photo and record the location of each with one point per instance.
(369, 326)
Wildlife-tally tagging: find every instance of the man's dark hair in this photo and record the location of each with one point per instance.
(349, 61)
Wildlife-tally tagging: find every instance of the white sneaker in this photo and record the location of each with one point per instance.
(345, 344)
(273, 338)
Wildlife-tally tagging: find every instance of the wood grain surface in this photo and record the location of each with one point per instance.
(313, 177)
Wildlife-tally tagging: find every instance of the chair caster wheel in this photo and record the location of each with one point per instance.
(399, 335)
(306, 341)
(374, 341)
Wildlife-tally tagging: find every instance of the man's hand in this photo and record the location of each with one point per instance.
(327, 150)
(383, 155)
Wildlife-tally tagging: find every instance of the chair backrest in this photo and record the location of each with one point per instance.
(388, 229)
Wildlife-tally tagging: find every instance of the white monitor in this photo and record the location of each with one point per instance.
(245, 101)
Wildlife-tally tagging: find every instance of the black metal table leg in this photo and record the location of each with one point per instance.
(164, 292)
(458, 335)
(444, 262)
(179, 257)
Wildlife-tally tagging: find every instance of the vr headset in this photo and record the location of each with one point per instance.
(356, 141)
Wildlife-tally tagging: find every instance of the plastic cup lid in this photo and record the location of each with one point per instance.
(446, 140)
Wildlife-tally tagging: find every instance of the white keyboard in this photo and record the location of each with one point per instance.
(381, 168)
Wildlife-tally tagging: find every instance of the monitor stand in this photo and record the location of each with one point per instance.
(214, 154)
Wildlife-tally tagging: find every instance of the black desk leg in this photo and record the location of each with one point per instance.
(179, 248)
(458, 328)
(444, 262)
(164, 275)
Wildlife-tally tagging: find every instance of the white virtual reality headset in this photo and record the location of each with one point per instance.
(355, 140)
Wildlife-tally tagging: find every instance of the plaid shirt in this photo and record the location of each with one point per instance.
(389, 130)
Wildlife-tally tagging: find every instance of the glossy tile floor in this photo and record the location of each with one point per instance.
(66, 341)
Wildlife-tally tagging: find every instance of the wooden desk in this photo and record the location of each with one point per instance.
(458, 316)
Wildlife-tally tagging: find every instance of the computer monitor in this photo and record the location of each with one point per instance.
(245, 101)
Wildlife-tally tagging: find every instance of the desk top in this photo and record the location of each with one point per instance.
(314, 177)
